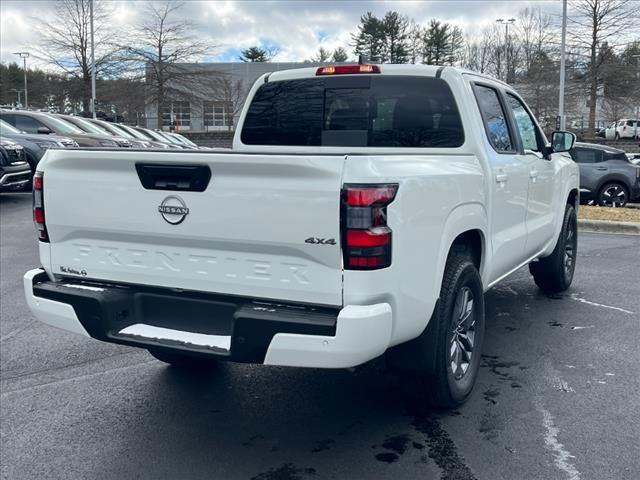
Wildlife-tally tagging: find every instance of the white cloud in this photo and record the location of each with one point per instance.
(299, 28)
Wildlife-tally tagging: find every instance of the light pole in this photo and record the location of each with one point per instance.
(506, 22)
(93, 66)
(562, 65)
(24, 56)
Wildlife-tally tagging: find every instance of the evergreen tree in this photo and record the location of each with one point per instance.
(369, 41)
(256, 54)
(396, 37)
(339, 55)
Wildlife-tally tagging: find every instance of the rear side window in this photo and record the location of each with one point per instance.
(616, 156)
(358, 111)
(495, 120)
(584, 155)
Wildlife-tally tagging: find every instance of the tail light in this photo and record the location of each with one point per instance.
(38, 207)
(366, 237)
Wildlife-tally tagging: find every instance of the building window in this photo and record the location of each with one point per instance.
(217, 114)
(177, 114)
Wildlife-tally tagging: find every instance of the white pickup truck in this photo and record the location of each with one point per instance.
(363, 210)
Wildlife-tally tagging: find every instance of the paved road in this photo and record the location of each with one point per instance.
(557, 396)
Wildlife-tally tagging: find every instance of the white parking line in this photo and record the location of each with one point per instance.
(588, 302)
(560, 454)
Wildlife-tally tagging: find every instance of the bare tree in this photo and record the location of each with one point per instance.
(536, 34)
(231, 93)
(164, 47)
(592, 24)
(477, 53)
(65, 42)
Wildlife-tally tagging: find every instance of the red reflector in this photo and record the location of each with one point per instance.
(366, 261)
(42, 235)
(347, 69)
(368, 238)
(38, 215)
(37, 181)
(367, 196)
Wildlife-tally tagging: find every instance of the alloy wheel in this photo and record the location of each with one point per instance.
(614, 195)
(463, 335)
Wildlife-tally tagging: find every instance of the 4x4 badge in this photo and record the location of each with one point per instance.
(320, 241)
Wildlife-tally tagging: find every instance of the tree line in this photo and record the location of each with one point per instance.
(149, 63)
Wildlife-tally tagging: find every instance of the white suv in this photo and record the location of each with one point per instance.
(624, 128)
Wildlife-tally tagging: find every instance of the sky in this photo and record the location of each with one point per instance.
(297, 27)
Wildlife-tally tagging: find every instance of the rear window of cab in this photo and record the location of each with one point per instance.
(356, 111)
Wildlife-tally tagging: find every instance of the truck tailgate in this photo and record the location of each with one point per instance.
(243, 235)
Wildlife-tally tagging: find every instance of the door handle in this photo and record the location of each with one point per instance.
(501, 177)
(601, 168)
(533, 174)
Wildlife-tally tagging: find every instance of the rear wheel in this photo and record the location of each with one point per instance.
(454, 338)
(613, 195)
(182, 360)
(554, 274)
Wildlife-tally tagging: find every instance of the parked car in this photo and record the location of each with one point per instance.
(607, 176)
(44, 124)
(88, 127)
(156, 137)
(119, 130)
(184, 140)
(173, 141)
(14, 169)
(625, 128)
(368, 219)
(34, 145)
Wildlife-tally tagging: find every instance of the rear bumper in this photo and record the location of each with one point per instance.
(228, 328)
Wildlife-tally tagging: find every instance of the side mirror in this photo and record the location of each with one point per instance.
(562, 141)
(44, 130)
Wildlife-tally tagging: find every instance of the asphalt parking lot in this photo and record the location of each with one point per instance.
(557, 396)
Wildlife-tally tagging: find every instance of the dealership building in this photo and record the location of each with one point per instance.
(217, 104)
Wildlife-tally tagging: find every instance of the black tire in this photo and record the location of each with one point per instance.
(449, 340)
(554, 274)
(613, 194)
(182, 360)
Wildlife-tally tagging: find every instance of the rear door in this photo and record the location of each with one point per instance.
(510, 183)
(245, 234)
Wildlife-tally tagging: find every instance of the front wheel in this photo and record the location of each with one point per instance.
(554, 274)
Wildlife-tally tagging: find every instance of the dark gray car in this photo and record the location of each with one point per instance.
(41, 123)
(34, 145)
(607, 176)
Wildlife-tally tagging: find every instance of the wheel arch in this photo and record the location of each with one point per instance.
(465, 230)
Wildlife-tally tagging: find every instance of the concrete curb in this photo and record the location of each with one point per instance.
(607, 226)
(633, 205)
